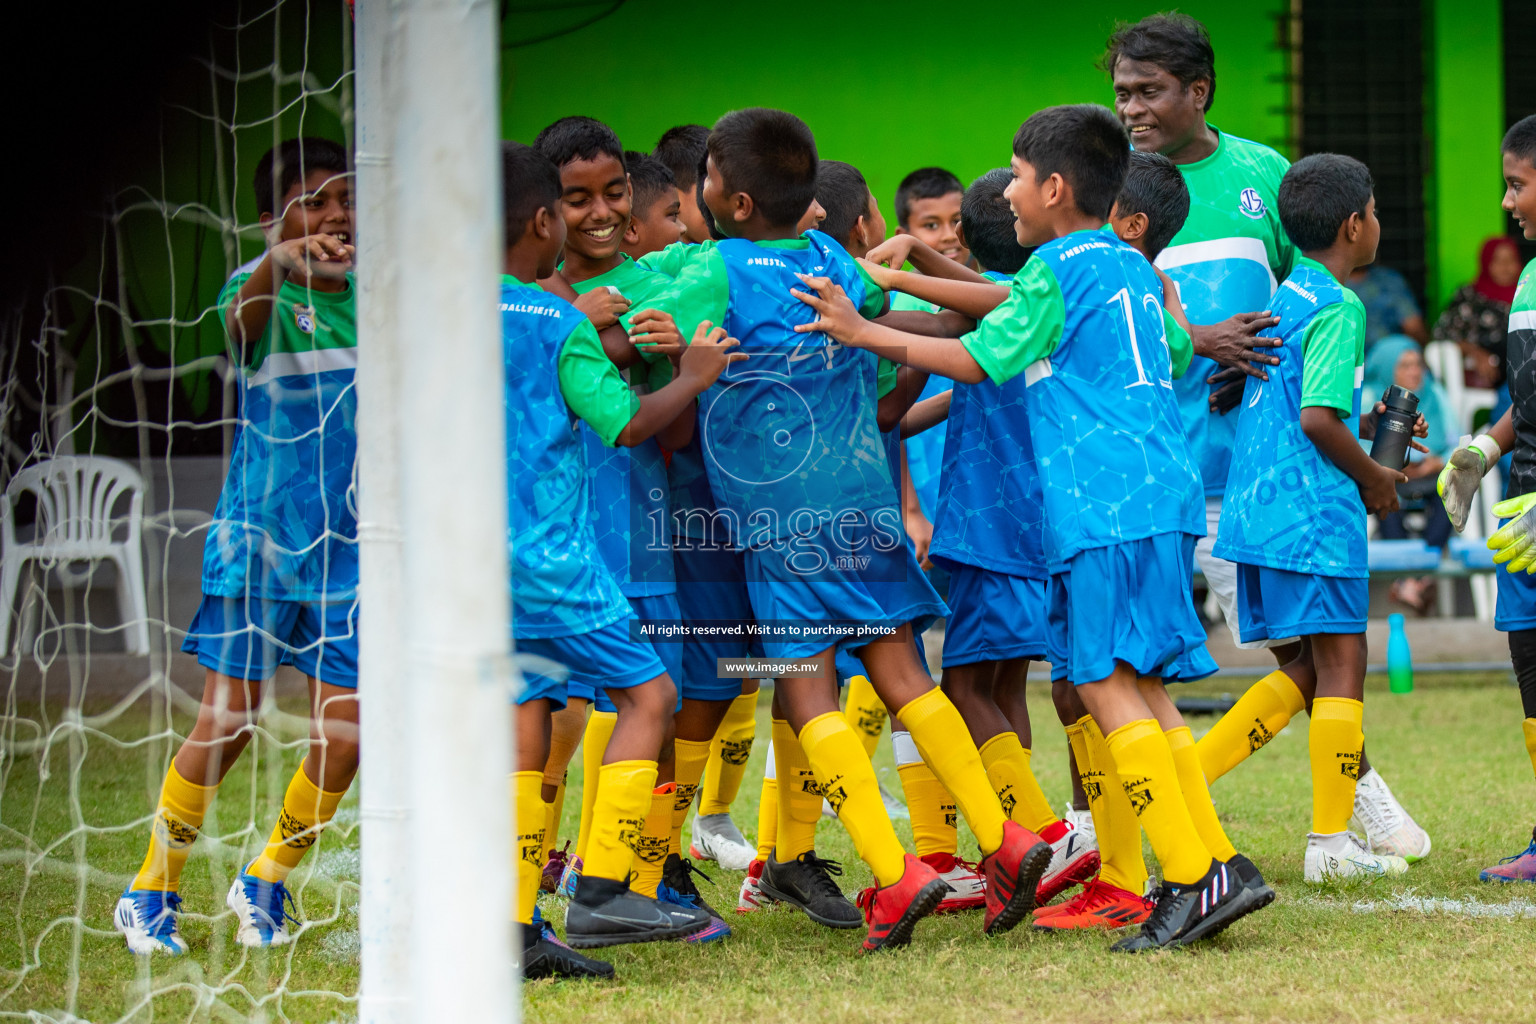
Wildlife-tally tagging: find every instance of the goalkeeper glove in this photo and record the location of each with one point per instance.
(1462, 474)
(1514, 545)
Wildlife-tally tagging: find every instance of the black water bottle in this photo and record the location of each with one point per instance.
(1394, 428)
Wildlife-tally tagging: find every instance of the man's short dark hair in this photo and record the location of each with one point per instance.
(650, 179)
(1154, 186)
(844, 194)
(682, 149)
(289, 163)
(1084, 143)
(923, 183)
(771, 156)
(1175, 42)
(1318, 194)
(1520, 140)
(530, 182)
(578, 138)
(988, 222)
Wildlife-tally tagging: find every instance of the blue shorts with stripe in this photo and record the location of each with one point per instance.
(1277, 603)
(613, 657)
(249, 637)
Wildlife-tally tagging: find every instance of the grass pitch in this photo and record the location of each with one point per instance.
(1436, 945)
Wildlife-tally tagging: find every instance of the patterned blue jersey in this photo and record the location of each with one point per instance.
(1226, 259)
(789, 435)
(991, 509)
(285, 527)
(1287, 505)
(560, 585)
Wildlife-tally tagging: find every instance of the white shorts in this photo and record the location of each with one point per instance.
(1221, 578)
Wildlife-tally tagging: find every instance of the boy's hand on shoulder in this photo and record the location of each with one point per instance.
(314, 256)
(884, 277)
(655, 332)
(1379, 489)
(1235, 343)
(707, 355)
(603, 306)
(837, 315)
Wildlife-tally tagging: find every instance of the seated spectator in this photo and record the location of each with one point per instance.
(1396, 359)
(1478, 313)
(1390, 307)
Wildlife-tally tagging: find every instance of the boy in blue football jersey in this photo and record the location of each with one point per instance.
(280, 561)
(1299, 488)
(795, 461)
(567, 607)
(1085, 325)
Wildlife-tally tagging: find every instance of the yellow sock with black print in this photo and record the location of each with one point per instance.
(306, 807)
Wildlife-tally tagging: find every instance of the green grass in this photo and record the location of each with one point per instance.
(1451, 751)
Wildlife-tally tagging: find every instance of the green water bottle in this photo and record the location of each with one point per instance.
(1399, 659)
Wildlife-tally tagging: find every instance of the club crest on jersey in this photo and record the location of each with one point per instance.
(1251, 203)
(304, 318)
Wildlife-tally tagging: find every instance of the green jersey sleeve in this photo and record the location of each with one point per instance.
(885, 377)
(1332, 351)
(1181, 347)
(702, 292)
(1026, 328)
(874, 298)
(669, 261)
(591, 385)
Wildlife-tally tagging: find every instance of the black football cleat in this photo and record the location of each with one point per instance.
(1188, 913)
(545, 956)
(806, 882)
(606, 913)
(677, 874)
(1248, 874)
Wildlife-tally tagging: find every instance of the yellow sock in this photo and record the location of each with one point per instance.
(177, 819)
(552, 820)
(1114, 821)
(1253, 721)
(1007, 764)
(1145, 767)
(594, 743)
(945, 743)
(305, 808)
(767, 815)
(651, 845)
(728, 753)
(618, 818)
(865, 713)
(934, 817)
(692, 755)
(1197, 795)
(1334, 743)
(848, 779)
(1529, 725)
(529, 820)
(799, 803)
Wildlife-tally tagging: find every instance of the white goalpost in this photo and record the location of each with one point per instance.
(436, 863)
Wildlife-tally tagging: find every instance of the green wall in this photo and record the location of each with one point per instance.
(1466, 116)
(886, 86)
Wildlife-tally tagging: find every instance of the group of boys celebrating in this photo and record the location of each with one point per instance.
(719, 385)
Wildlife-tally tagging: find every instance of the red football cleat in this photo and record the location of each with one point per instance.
(1099, 905)
(1074, 859)
(1013, 873)
(893, 911)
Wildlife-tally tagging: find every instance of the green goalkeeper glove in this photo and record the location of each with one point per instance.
(1462, 475)
(1514, 545)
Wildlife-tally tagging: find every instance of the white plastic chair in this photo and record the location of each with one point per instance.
(76, 497)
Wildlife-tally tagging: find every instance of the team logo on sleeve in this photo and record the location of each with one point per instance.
(1251, 203)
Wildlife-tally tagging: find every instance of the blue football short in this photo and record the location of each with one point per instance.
(1278, 603)
(1516, 608)
(607, 658)
(711, 588)
(249, 637)
(993, 617)
(1126, 603)
(651, 608)
(848, 578)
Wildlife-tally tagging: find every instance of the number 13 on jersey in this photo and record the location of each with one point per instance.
(1122, 301)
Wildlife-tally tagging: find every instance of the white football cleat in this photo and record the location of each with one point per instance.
(151, 921)
(752, 896)
(716, 838)
(967, 885)
(1082, 823)
(1074, 859)
(1343, 855)
(1387, 827)
(260, 908)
